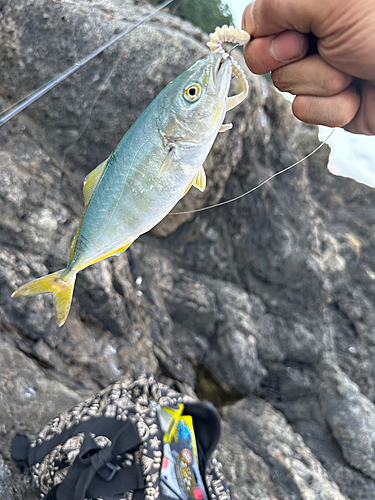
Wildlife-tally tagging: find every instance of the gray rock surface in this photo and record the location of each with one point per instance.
(264, 306)
(267, 434)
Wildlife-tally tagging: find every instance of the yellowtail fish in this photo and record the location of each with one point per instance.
(155, 164)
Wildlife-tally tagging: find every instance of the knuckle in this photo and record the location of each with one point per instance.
(281, 81)
(273, 7)
(369, 129)
(334, 82)
(335, 111)
(303, 108)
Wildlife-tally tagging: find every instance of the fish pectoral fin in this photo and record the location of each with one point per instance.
(169, 162)
(92, 180)
(225, 127)
(199, 180)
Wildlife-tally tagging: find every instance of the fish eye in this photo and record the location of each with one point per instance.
(192, 92)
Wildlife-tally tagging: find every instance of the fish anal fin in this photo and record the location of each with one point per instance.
(112, 253)
(92, 180)
(199, 180)
(122, 249)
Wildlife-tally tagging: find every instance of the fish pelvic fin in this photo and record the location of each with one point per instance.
(199, 181)
(60, 283)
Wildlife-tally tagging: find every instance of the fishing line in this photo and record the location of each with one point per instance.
(31, 98)
(24, 103)
(102, 87)
(259, 185)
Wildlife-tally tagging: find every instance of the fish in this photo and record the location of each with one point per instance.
(157, 161)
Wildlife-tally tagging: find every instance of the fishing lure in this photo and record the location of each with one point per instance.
(152, 168)
(239, 37)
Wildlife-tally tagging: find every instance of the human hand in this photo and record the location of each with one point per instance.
(335, 85)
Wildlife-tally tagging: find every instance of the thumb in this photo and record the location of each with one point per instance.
(269, 17)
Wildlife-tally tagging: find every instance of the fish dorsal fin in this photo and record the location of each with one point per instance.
(92, 180)
(199, 180)
(89, 185)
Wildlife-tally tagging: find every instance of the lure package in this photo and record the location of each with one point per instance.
(180, 475)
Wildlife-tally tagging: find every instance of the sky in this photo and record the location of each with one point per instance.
(351, 155)
(237, 7)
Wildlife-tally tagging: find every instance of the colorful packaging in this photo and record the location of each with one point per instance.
(180, 475)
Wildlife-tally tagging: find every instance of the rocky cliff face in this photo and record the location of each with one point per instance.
(264, 306)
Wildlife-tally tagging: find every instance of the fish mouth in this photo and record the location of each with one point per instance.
(222, 61)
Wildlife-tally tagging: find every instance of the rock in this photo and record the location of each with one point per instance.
(264, 306)
(273, 445)
(29, 397)
(11, 486)
(351, 417)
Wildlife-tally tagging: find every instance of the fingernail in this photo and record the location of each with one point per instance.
(287, 46)
(248, 23)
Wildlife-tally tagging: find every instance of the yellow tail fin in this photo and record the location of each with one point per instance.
(60, 284)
